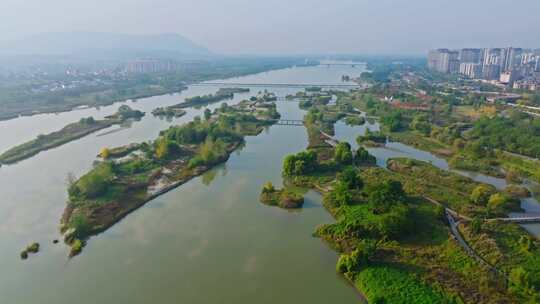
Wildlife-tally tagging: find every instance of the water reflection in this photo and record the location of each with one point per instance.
(178, 245)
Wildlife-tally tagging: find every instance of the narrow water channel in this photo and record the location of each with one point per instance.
(395, 149)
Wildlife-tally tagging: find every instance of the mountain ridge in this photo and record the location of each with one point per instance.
(76, 43)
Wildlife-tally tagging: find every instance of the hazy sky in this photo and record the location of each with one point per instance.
(291, 26)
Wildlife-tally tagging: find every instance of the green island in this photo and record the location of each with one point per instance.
(116, 187)
(392, 224)
(172, 111)
(220, 95)
(355, 120)
(67, 134)
(32, 248)
(283, 198)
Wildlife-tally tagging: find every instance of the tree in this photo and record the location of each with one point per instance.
(360, 256)
(497, 201)
(476, 225)
(526, 243)
(520, 280)
(421, 123)
(162, 148)
(343, 154)
(481, 194)
(268, 188)
(299, 164)
(386, 194)
(207, 114)
(440, 211)
(105, 153)
(362, 157)
(350, 178)
(341, 194)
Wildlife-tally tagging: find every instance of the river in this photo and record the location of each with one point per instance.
(208, 241)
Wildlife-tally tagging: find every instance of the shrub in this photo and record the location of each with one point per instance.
(350, 178)
(81, 226)
(481, 194)
(343, 154)
(105, 153)
(362, 157)
(268, 188)
(386, 194)
(95, 182)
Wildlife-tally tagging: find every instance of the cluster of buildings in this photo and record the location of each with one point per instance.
(151, 66)
(513, 67)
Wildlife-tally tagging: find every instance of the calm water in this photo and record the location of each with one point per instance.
(209, 241)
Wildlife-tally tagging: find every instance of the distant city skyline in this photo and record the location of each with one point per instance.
(291, 27)
(512, 67)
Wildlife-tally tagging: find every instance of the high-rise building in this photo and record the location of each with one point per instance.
(470, 55)
(512, 59)
(493, 56)
(491, 71)
(434, 58)
(471, 70)
(537, 66)
(443, 61)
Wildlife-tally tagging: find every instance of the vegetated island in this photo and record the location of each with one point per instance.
(32, 248)
(172, 111)
(283, 198)
(114, 188)
(177, 110)
(67, 134)
(220, 95)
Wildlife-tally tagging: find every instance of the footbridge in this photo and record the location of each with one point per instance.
(290, 122)
(518, 220)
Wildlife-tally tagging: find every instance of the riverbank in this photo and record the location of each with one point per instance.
(67, 134)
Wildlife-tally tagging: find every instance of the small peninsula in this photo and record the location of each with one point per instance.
(67, 134)
(116, 187)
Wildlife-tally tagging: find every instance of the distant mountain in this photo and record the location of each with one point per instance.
(90, 43)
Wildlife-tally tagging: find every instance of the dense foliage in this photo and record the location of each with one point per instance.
(518, 134)
(299, 164)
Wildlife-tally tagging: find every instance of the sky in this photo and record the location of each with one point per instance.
(291, 26)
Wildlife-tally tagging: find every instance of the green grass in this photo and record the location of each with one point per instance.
(526, 167)
(421, 142)
(389, 284)
(499, 243)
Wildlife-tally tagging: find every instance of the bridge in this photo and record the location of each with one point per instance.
(290, 122)
(518, 220)
(282, 85)
(341, 64)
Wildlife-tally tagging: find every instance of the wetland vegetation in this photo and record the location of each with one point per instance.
(67, 134)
